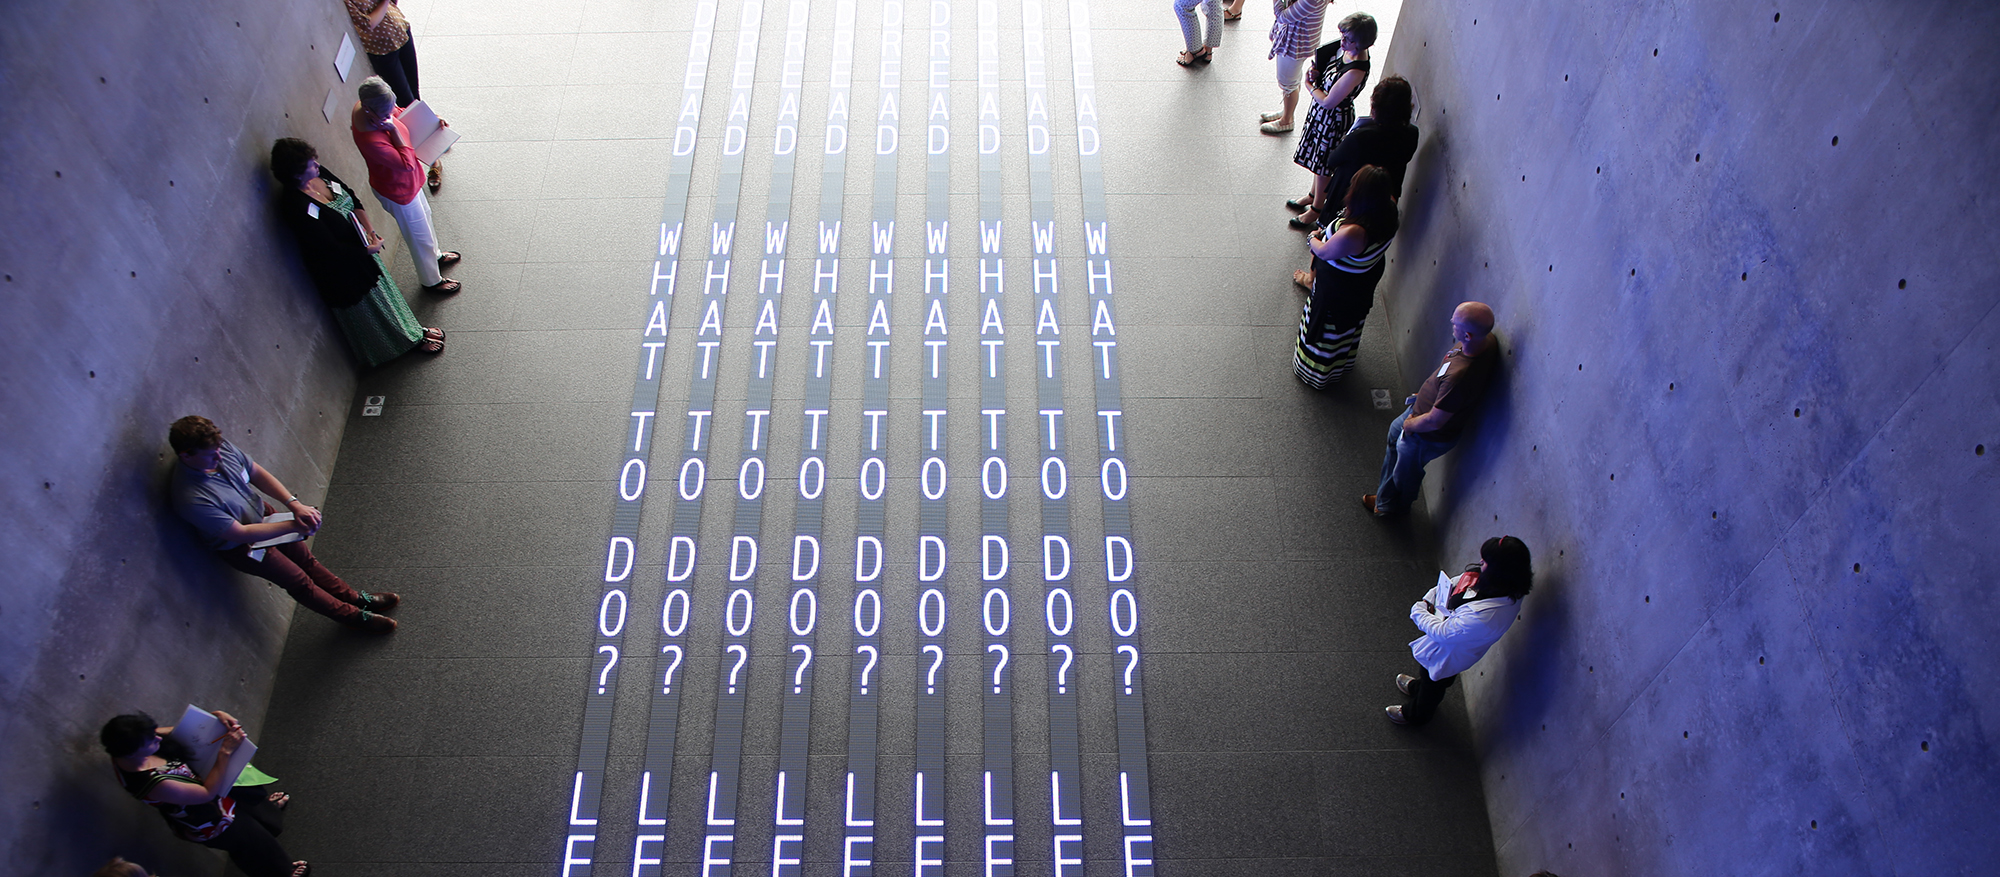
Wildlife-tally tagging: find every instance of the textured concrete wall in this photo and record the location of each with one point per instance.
(146, 277)
(1745, 263)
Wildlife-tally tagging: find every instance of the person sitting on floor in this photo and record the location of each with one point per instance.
(215, 490)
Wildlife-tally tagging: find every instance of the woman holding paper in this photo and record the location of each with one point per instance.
(340, 247)
(199, 808)
(397, 176)
(1460, 620)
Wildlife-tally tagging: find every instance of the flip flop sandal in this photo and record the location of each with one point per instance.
(432, 344)
(1232, 17)
(1303, 279)
(448, 259)
(446, 286)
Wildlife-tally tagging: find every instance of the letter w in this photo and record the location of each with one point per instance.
(829, 238)
(774, 238)
(1096, 238)
(720, 241)
(989, 238)
(936, 235)
(884, 237)
(1044, 236)
(670, 239)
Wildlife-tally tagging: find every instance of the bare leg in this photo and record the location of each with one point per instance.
(1291, 103)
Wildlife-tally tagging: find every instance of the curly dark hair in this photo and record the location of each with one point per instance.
(288, 159)
(124, 734)
(1392, 102)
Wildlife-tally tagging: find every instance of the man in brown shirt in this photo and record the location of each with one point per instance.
(1431, 424)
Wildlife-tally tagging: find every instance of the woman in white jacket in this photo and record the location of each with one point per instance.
(1460, 620)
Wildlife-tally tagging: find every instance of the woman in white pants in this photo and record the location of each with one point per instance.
(397, 177)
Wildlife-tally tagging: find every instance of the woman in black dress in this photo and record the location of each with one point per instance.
(1348, 259)
(1339, 70)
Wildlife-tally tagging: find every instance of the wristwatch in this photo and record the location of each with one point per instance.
(291, 499)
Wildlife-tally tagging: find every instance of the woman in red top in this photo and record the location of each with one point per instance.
(200, 809)
(397, 176)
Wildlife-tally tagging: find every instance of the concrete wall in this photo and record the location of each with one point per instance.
(146, 277)
(1750, 423)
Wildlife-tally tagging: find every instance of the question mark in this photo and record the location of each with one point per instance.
(1062, 684)
(872, 654)
(742, 654)
(606, 672)
(930, 679)
(996, 647)
(799, 675)
(667, 681)
(1130, 665)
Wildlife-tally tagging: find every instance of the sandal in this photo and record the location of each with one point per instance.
(1206, 54)
(279, 800)
(1231, 16)
(1303, 278)
(446, 286)
(436, 177)
(1187, 59)
(448, 259)
(301, 869)
(433, 342)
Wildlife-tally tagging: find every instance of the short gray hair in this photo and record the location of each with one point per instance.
(375, 90)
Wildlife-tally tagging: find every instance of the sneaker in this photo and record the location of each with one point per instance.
(1274, 128)
(380, 601)
(1404, 681)
(1270, 117)
(376, 623)
(1395, 714)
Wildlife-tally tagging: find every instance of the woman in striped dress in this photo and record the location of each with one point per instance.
(1348, 258)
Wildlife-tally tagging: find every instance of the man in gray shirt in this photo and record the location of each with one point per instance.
(213, 491)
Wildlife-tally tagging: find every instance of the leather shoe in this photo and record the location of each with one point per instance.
(1301, 224)
(1403, 682)
(380, 601)
(1395, 714)
(377, 623)
(1368, 502)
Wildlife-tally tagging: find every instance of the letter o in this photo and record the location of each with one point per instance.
(744, 479)
(630, 488)
(867, 620)
(700, 471)
(924, 480)
(1131, 613)
(1060, 484)
(672, 622)
(1104, 478)
(729, 614)
(812, 612)
(1068, 612)
(812, 472)
(881, 478)
(605, 625)
(924, 612)
(1006, 612)
(993, 483)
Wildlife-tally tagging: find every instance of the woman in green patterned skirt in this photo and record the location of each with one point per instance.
(340, 249)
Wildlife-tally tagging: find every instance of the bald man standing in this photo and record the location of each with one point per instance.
(1431, 424)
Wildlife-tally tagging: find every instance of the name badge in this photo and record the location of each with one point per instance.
(1443, 368)
(312, 210)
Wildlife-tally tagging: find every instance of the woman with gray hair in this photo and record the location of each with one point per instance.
(397, 176)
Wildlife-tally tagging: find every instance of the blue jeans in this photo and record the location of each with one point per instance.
(1403, 467)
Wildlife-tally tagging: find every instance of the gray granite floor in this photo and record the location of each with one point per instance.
(1271, 609)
